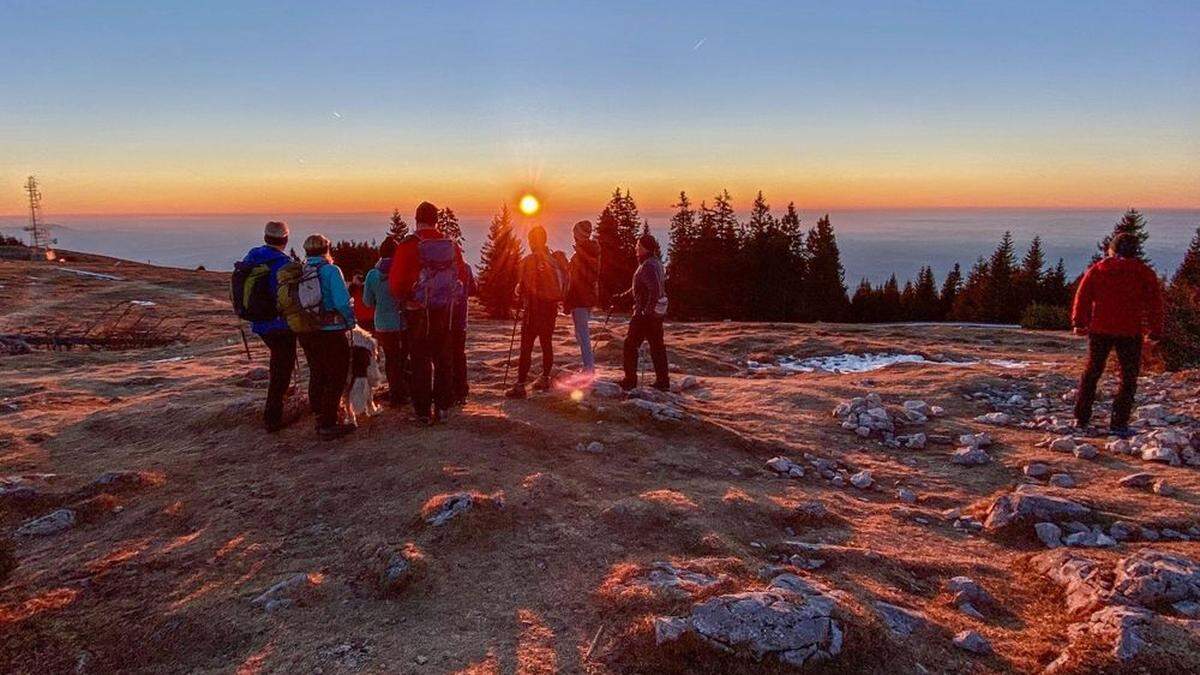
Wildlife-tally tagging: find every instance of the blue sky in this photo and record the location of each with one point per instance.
(145, 106)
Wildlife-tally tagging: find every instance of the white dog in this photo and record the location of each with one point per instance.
(364, 376)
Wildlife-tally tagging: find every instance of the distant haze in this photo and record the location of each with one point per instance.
(874, 243)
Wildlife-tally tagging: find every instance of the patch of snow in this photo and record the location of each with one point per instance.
(95, 275)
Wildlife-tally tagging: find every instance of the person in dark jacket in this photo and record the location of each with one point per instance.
(458, 340)
(1118, 301)
(649, 307)
(539, 312)
(583, 291)
(389, 324)
(275, 334)
(431, 357)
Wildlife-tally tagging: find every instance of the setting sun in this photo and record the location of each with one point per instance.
(529, 205)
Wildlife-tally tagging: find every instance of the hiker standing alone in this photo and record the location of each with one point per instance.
(274, 332)
(327, 348)
(542, 278)
(428, 274)
(583, 292)
(1119, 300)
(649, 308)
(389, 324)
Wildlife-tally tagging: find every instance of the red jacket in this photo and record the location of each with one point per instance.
(406, 264)
(1119, 296)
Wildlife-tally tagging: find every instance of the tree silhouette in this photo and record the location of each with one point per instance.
(447, 224)
(397, 228)
(951, 287)
(1181, 329)
(1133, 223)
(617, 231)
(826, 286)
(682, 278)
(500, 258)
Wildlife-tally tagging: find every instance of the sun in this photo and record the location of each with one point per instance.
(529, 205)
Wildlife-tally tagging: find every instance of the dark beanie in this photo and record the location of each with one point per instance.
(537, 237)
(427, 214)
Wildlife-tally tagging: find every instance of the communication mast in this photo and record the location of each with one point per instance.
(39, 236)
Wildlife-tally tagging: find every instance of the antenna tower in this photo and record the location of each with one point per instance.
(39, 237)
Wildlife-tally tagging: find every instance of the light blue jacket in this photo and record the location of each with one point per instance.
(335, 297)
(376, 294)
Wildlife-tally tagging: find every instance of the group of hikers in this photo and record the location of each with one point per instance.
(413, 304)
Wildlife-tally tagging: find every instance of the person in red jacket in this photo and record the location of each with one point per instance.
(429, 333)
(1119, 300)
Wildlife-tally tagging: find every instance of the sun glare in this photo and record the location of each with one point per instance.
(529, 205)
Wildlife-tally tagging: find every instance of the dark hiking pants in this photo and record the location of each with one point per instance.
(646, 329)
(537, 324)
(395, 364)
(1129, 356)
(282, 345)
(328, 356)
(432, 363)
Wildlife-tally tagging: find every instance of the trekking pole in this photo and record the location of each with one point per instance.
(245, 343)
(511, 340)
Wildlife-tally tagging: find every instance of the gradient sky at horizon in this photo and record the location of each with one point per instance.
(223, 107)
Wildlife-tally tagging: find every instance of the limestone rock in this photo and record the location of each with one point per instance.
(51, 523)
(973, 642)
(901, 621)
(970, 457)
(1062, 480)
(295, 589)
(1036, 470)
(1086, 451)
(1049, 534)
(1137, 480)
(1032, 506)
(862, 480)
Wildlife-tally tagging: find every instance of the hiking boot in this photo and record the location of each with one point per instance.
(542, 384)
(626, 385)
(440, 416)
(662, 386)
(517, 391)
(1121, 432)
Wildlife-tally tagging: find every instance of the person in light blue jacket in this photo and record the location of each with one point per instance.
(389, 324)
(328, 350)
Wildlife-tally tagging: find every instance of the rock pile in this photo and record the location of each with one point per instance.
(1121, 604)
(791, 621)
(868, 417)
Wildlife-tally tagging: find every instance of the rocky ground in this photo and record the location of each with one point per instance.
(937, 514)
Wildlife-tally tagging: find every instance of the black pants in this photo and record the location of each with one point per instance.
(458, 347)
(328, 355)
(282, 344)
(646, 329)
(395, 366)
(1129, 356)
(537, 324)
(432, 376)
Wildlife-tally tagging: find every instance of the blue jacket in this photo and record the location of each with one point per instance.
(335, 297)
(376, 294)
(275, 259)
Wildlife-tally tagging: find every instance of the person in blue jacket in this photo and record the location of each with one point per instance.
(389, 324)
(275, 334)
(327, 350)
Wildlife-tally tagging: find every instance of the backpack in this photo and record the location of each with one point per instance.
(300, 299)
(549, 276)
(438, 285)
(250, 292)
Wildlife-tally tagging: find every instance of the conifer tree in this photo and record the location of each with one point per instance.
(682, 274)
(925, 297)
(617, 231)
(1055, 289)
(498, 267)
(826, 286)
(1131, 222)
(1181, 329)
(1028, 281)
(722, 249)
(998, 303)
(397, 228)
(972, 301)
(862, 305)
(447, 224)
(890, 308)
(767, 265)
(794, 291)
(951, 287)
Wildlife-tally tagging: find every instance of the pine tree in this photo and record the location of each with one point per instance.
(1055, 289)
(862, 305)
(682, 274)
(908, 301)
(1181, 326)
(925, 297)
(1030, 275)
(397, 229)
(498, 267)
(998, 304)
(766, 266)
(826, 286)
(890, 308)
(447, 224)
(793, 290)
(722, 253)
(617, 231)
(972, 301)
(1133, 223)
(951, 287)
